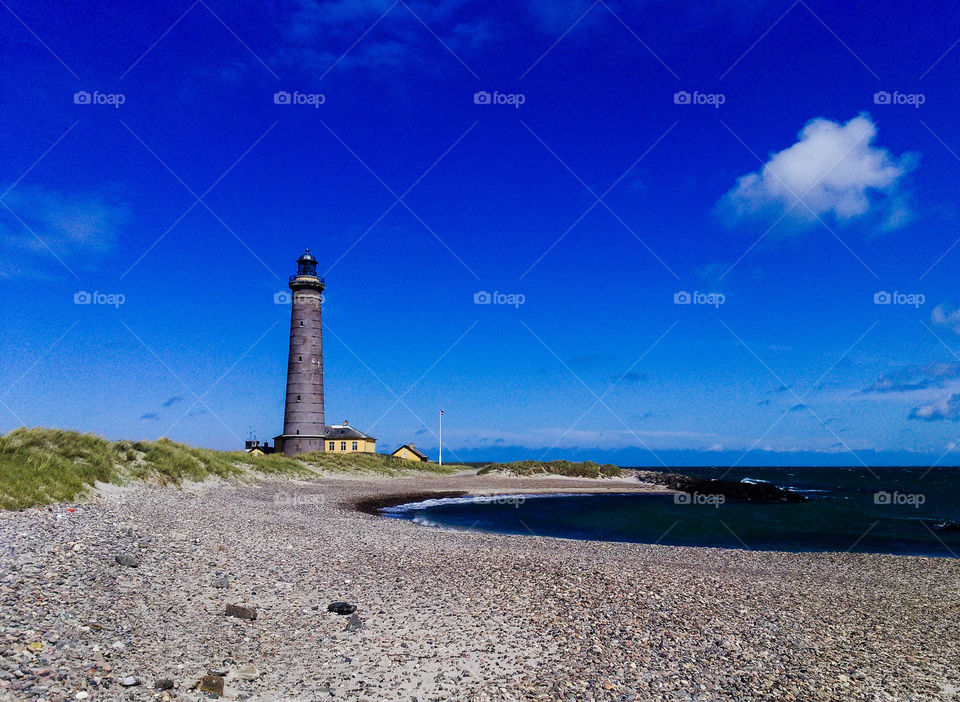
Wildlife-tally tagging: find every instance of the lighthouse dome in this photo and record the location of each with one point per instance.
(306, 266)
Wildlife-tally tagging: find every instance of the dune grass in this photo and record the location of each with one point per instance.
(371, 463)
(42, 466)
(586, 469)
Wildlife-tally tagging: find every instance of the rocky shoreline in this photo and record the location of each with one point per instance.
(442, 614)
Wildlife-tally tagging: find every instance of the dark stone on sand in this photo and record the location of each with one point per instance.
(241, 612)
(212, 684)
(221, 582)
(354, 623)
(341, 608)
(128, 560)
(163, 684)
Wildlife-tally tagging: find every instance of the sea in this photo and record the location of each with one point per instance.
(895, 510)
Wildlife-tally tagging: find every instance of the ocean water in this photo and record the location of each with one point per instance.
(912, 511)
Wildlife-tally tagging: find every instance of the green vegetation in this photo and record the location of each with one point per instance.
(371, 463)
(41, 466)
(587, 469)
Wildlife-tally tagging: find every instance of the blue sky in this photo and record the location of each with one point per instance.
(782, 168)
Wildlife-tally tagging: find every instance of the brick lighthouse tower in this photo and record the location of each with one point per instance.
(303, 422)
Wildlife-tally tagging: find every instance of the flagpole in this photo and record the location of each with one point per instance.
(441, 437)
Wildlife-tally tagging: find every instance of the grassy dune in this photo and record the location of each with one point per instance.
(41, 466)
(586, 469)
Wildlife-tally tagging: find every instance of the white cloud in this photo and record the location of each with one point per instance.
(556, 17)
(946, 316)
(834, 169)
(947, 408)
(79, 228)
(320, 33)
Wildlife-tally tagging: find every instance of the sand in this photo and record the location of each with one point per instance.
(445, 614)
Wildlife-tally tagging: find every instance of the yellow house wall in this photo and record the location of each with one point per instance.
(363, 446)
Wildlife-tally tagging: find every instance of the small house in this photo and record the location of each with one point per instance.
(409, 452)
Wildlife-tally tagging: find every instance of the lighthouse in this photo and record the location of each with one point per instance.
(303, 423)
(303, 426)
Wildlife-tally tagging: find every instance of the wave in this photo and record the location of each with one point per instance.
(499, 499)
(791, 488)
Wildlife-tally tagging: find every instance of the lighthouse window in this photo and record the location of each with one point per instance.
(298, 398)
(343, 445)
(298, 431)
(301, 322)
(299, 358)
(354, 445)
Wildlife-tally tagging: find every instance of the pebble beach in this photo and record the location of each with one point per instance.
(124, 596)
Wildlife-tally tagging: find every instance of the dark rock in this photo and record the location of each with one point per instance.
(354, 623)
(242, 612)
(341, 608)
(731, 489)
(211, 684)
(163, 684)
(128, 560)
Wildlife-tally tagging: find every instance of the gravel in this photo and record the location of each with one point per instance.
(443, 615)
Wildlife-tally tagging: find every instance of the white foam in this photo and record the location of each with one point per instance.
(499, 499)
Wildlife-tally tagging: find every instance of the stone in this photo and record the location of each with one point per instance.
(126, 559)
(221, 582)
(212, 684)
(247, 672)
(129, 681)
(241, 612)
(163, 684)
(341, 608)
(354, 623)
(82, 695)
